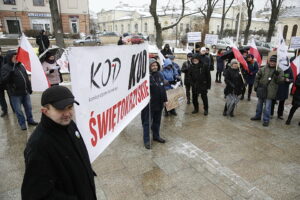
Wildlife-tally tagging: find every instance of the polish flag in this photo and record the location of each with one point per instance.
(29, 59)
(239, 57)
(295, 66)
(254, 52)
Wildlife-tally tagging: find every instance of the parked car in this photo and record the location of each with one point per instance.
(137, 39)
(109, 37)
(87, 41)
(262, 47)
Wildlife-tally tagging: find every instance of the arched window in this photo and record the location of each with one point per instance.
(285, 30)
(146, 28)
(122, 28)
(129, 29)
(294, 31)
(136, 28)
(116, 28)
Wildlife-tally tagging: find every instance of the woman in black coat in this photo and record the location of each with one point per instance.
(234, 85)
(283, 93)
(295, 102)
(201, 82)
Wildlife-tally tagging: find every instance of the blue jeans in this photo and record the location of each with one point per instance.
(17, 101)
(3, 103)
(267, 109)
(155, 123)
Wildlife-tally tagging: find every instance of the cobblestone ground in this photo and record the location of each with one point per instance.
(205, 157)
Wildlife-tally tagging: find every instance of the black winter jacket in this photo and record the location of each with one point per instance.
(200, 76)
(186, 68)
(57, 164)
(2, 85)
(157, 91)
(43, 42)
(296, 97)
(234, 81)
(16, 78)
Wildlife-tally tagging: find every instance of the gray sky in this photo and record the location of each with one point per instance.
(97, 5)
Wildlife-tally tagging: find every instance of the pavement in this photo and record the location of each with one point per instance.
(205, 158)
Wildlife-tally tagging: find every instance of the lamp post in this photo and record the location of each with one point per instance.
(239, 23)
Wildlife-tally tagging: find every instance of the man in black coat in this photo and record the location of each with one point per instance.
(186, 66)
(166, 51)
(19, 88)
(57, 164)
(201, 82)
(211, 60)
(158, 98)
(42, 41)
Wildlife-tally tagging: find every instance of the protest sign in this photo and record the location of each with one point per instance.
(111, 83)
(211, 39)
(175, 98)
(295, 42)
(194, 37)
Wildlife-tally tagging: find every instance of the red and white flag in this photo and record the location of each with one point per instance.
(239, 57)
(255, 53)
(29, 59)
(295, 66)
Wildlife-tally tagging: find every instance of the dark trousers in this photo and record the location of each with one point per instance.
(3, 103)
(17, 102)
(218, 75)
(292, 111)
(280, 108)
(155, 118)
(195, 94)
(250, 86)
(188, 91)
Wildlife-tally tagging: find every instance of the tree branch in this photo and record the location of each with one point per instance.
(229, 7)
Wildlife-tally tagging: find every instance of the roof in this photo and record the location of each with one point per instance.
(290, 12)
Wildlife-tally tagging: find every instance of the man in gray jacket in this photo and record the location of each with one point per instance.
(266, 86)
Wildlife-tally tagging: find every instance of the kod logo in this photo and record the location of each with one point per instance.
(105, 73)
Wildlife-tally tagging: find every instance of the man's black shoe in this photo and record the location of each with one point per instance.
(33, 123)
(3, 114)
(23, 127)
(160, 140)
(280, 117)
(266, 124)
(255, 118)
(195, 111)
(288, 122)
(188, 102)
(147, 146)
(205, 112)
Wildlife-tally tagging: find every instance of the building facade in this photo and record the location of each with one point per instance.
(17, 16)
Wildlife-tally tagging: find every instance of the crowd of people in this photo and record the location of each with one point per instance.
(270, 82)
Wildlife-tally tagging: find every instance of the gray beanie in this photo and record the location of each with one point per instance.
(234, 61)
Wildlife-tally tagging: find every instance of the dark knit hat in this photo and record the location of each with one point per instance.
(273, 58)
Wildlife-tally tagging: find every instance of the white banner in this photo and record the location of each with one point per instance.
(295, 42)
(282, 55)
(211, 39)
(111, 83)
(194, 37)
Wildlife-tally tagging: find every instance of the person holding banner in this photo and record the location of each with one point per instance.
(51, 69)
(266, 86)
(158, 98)
(171, 77)
(295, 102)
(57, 164)
(201, 82)
(19, 89)
(250, 76)
(186, 67)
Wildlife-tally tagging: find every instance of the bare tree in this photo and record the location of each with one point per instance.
(158, 27)
(209, 8)
(250, 6)
(57, 25)
(275, 5)
(224, 13)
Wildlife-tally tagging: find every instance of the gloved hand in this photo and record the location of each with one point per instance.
(276, 73)
(172, 82)
(51, 71)
(30, 91)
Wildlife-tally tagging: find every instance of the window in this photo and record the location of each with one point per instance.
(285, 30)
(10, 2)
(129, 30)
(181, 27)
(136, 28)
(187, 28)
(294, 31)
(122, 28)
(13, 26)
(38, 2)
(146, 28)
(116, 28)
